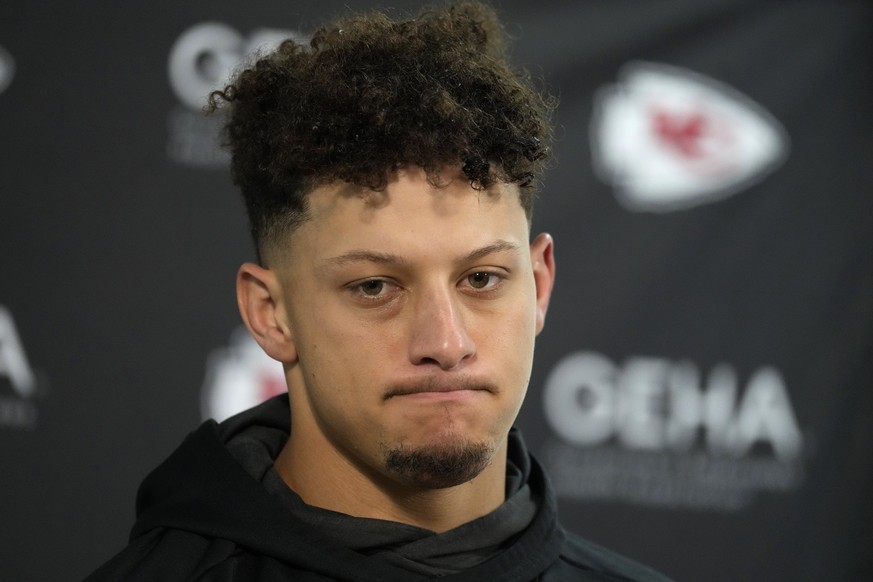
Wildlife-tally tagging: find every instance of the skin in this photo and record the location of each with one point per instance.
(405, 320)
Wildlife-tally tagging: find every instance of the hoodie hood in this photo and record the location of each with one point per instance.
(203, 489)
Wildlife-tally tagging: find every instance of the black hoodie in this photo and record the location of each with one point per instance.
(202, 515)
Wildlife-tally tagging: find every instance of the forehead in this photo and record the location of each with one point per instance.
(409, 213)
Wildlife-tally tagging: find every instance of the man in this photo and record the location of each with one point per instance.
(388, 171)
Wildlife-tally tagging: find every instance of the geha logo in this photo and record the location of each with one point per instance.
(17, 409)
(202, 60)
(668, 139)
(238, 377)
(7, 69)
(652, 431)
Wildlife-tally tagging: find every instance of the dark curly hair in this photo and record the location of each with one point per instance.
(370, 95)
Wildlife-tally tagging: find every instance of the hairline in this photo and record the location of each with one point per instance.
(275, 239)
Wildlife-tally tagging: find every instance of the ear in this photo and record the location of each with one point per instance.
(259, 296)
(542, 259)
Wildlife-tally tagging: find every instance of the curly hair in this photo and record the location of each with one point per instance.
(370, 95)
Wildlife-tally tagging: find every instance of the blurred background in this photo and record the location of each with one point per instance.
(703, 392)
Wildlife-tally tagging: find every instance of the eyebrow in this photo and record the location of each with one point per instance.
(500, 246)
(366, 256)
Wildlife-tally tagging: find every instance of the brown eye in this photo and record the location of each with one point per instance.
(372, 288)
(479, 280)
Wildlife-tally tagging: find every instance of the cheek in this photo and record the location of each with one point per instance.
(328, 332)
(334, 391)
(341, 357)
(518, 317)
(510, 339)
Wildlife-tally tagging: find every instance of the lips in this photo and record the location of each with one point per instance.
(436, 386)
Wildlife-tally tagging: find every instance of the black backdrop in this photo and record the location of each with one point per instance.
(702, 392)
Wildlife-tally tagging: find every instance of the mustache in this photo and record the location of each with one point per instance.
(433, 384)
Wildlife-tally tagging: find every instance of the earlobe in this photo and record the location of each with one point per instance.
(543, 261)
(259, 297)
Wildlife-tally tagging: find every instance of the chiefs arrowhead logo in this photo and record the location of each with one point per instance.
(238, 377)
(667, 139)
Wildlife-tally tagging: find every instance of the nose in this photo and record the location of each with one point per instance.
(439, 333)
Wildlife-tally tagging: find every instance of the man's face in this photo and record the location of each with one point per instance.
(413, 314)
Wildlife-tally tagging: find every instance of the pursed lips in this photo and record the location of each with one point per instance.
(435, 386)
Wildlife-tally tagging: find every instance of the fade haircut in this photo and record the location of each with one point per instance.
(370, 95)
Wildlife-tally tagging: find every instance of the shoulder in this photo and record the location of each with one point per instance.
(173, 555)
(160, 554)
(580, 556)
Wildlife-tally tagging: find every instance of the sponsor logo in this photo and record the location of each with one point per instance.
(238, 377)
(667, 139)
(655, 432)
(19, 384)
(7, 69)
(202, 60)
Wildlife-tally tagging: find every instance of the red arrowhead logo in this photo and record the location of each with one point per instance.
(667, 138)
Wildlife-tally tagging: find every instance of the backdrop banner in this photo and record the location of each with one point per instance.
(703, 391)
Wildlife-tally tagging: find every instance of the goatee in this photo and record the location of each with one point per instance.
(439, 467)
